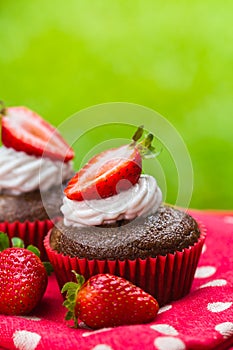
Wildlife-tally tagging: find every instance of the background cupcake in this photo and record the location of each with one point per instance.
(114, 221)
(34, 162)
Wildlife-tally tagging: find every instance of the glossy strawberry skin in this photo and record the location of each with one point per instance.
(25, 131)
(23, 281)
(107, 301)
(106, 174)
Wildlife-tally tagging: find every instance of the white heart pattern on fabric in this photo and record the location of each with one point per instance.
(102, 347)
(205, 271)
(225, 328)
(164, 329)
(218, 306)
(215, 283)
(24, 340)
(171, 343)
(164, 308)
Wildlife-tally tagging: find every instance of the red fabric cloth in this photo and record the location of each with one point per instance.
(201, 320)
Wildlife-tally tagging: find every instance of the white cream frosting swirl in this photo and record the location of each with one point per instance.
(142, 199)
(20, 172)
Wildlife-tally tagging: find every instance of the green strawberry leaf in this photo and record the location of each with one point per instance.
(4, 241)
(69, 286)
(72, 289)
(48, 267)
(34, 250)
(69, 316)
(17, 242)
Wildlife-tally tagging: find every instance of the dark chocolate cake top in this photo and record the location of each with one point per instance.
(164, 232)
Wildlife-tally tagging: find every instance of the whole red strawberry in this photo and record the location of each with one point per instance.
(25, 131)
(106, 301)
(23, 280)
(111, 171)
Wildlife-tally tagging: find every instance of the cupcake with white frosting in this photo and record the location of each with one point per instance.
(115, 222)
(35, 165)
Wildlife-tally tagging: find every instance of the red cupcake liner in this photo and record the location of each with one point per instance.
(166, 277)
(30, 232)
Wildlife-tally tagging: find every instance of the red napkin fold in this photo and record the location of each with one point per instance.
(201, 320)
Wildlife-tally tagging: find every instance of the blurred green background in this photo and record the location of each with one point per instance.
(176, 57)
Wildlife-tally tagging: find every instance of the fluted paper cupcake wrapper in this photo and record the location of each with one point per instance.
(30, 232)
(166, 277)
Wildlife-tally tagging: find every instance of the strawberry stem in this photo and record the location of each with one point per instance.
(2, 108)
(72, 290)
(145, 148)
(138, 134)
(147, 141)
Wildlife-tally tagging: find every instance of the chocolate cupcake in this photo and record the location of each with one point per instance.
(33, 173)
(158, 253)
(31, 206)
(130, 233)
(166, 231)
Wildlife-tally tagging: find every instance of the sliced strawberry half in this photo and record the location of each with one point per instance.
(110, 172)
(106, 174)
(24, 130)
